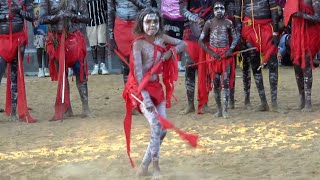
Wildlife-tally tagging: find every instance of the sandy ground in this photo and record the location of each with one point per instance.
(250, 145)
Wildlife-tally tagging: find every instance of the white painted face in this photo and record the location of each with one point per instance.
(151, 24)
(219, 10)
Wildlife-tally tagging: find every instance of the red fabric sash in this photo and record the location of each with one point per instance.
(75, 45)
(305, 38)
(123, 35)
(22, 106)
(259, 34)
(193, 49)
(208, 70)
(9, 50)
(133, 87)
(57, 46)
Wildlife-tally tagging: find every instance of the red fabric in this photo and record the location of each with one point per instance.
(305, 38)
(155, 91)
(75, 46)
(193, 49)
(123, 35)
(290, 8)
(209, 69)
(190, 138)
(260, 36)
(22, 108)
(7, 52)
(170, 76)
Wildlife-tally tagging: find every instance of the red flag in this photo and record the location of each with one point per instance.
(190, 138)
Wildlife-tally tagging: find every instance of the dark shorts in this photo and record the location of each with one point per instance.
(173, 28)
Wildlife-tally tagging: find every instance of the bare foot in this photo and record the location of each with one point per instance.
(226, 115)
(156, 175)
(156, 170)
(14, 118)
(307, 108)
(263, 107)
(206, 109)
(247, 105)
(218, 114)
(69, 113)
(276, 108)
(302, 103)
(187, 110)
(142, 171)
(231, 104)
(86, 114)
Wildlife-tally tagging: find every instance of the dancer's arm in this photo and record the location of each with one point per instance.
(238, 16)
(45, 17)
(274, 15)
(111, 11)
(141, 5)
(82, 15)
(234, 34)
(183, 4)
(316, 16)
(27, 13)
(138, 72)
(179, 46)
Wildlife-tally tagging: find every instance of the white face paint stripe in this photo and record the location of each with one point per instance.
(151, 24)
(219, 8)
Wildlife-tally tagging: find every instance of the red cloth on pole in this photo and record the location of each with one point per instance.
(123, 35)
(305, 38)
(259, 34)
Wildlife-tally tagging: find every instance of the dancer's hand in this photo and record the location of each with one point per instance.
(275, 40)
(15, 7)
(228, 53)
(200, 21)
(167, 55)
(149, 106)
(112, 44)
(298, 14)
(215, 55)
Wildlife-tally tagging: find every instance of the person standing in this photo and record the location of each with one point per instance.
(97, 34)
(121, 19)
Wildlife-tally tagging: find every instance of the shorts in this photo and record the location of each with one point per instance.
(97, 34)
(173, 28)
(39, 41)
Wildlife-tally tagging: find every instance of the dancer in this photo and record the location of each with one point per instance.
(258, 20)
(304, 46)
(66, 47)
(13, 36)
(196, 12)
(219, 57)
(152, 53)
